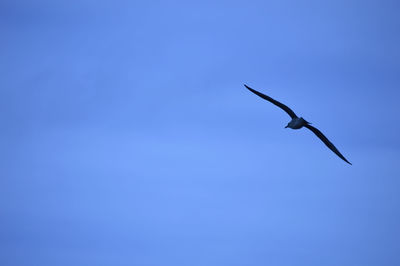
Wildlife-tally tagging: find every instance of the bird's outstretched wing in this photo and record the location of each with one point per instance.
(280, 105)
(327, 142)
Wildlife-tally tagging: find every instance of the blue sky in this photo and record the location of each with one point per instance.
(128, 138)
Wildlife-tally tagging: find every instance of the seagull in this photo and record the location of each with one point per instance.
(299, 122)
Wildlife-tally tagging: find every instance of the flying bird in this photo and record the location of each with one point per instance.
(299, 122)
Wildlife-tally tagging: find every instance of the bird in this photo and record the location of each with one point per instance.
(299, 122)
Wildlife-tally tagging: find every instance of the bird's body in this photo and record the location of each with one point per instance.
(299, 122)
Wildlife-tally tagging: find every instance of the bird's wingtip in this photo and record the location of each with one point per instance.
(347, 161)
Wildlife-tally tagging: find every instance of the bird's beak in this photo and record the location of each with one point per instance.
(286, 127)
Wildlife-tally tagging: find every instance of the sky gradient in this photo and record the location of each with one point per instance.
(128, 138)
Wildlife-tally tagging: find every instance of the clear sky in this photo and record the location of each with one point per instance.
(127, 137)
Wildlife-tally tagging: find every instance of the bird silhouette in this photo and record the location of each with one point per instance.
(299, 122)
